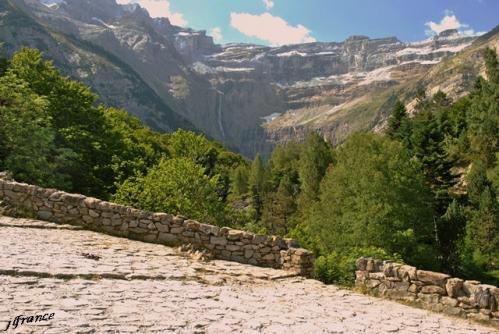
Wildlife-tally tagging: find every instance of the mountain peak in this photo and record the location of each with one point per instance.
(448, 32)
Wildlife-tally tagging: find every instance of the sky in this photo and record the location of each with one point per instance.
(280, 22)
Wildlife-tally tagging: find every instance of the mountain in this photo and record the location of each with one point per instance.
(246, 96)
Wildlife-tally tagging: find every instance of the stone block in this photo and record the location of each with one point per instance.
(400, 295)
(176, 230)
(453, 311)
(407, 273)
(378, 276)
(192, 225)
(167, 239)
(248, 253)
(433, 289)
(218, 241)
(449, 301)
(433, 278)
(233, 248)
(454, 287)
(469, 287)
(162, 227)
(234, 235)
(150, 237)
(429, 298)
(93, 214)
(269, 257)
(44, 215)
(361, 264)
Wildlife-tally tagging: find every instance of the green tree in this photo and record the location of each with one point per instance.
(27, 147)
(398, 123)
(452, 231)
(134, 147)
(279, 208)
(195, 147)
(240, 178)
(177, 186)
(492, 65)
(257, 185)
(374, 196)
(315, 159)
(427, 143)
(483, 230)
(80, 127)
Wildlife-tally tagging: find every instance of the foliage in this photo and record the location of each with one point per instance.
(177, 186)
(27, 147)
(339, 267)
(373, 196)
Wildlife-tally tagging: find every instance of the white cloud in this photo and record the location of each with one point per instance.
(272, 29)
(159, 8)
(269, 4)
(216, 33)
(449, 21)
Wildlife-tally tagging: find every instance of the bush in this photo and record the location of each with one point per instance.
(339, 268)
(176, 186)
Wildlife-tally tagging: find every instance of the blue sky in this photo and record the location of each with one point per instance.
(277, 22)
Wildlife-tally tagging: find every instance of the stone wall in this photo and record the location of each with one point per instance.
(94, 214)
(429, 290)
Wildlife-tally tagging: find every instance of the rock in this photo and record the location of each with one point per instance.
(429, 298)
(433, 289)
(453, 311)
(218, 241)
(234, 235)
(192, 225)
(93, 214)
(433, 278)
(361, 263)
(248, 253)
(454, 287)
(449, 301)
(44, 215)
(469, 287)
(406, 273)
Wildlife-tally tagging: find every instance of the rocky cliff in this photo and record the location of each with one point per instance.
(247, 96)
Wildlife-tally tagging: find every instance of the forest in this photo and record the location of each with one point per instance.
(424, 192)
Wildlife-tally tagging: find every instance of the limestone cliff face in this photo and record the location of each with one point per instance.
(246, 96)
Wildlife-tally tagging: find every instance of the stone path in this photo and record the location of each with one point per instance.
(96, 283)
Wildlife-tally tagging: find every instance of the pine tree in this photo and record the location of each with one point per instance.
(315, 159)
(451, 233)
(257, 185)
(240, 180)
(428, 148)
(483, 119)
(483, 229)
(398, 123)
(492, 65)
(279, 208)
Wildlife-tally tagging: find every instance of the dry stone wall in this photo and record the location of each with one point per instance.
(430, 290)
(221, 242)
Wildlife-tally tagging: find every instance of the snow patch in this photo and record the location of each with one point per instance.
(291, 54)
(271, 117)
(53, 4)
(103, 23)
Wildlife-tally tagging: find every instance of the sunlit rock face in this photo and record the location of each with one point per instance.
(246, 96)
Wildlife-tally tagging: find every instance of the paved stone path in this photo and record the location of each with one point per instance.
(96, 283)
